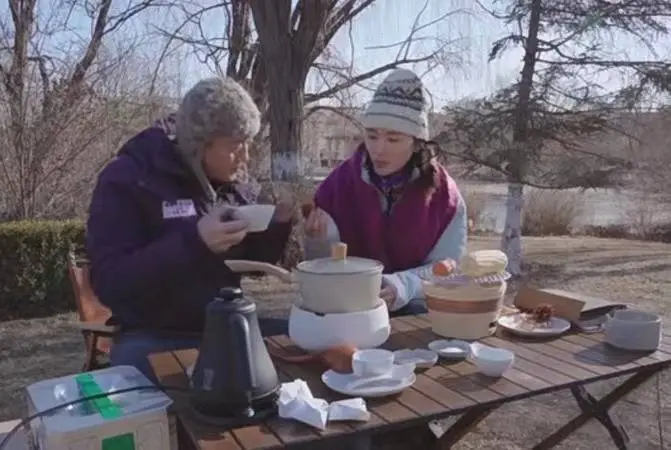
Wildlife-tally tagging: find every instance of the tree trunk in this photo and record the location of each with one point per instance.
(512, 232)
(511, 241)
(286, 109)
(284, 84)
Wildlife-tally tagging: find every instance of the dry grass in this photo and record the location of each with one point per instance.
(550, 213)
(631, 271)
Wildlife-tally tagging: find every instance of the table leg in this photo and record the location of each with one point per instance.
(593, 408)
(463, 426)
(590, 405)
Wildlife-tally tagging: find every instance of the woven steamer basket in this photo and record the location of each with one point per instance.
(464, 311)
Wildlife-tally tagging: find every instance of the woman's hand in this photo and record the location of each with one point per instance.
(315, 224)
(388, 294)
(284, 212)
(283, 199)
(220, 234)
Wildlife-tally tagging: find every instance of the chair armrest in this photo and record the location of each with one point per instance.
(97, 328)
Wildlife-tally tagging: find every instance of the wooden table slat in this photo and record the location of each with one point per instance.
(661, 354)
(469, 387)
(592, 354)
(627, 360)
(560, 366)
(557, 353)
(512, 381)
(170, 371)
(444, 389)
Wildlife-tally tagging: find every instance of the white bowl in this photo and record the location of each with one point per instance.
(421, 357)
(374, 361)
(491, 361)
(451, 348)
(364, 329)
(258, 216)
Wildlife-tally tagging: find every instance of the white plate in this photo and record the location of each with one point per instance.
(401, 378)
(451, 348)
(421, 357)
(514, 324)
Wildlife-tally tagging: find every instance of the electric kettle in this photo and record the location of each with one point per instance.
(233, 375)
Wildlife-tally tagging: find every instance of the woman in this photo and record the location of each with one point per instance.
(159, 225)
(391, 200)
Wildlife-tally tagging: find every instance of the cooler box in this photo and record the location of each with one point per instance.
(136, 420)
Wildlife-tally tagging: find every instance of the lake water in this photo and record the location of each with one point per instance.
(600, 207)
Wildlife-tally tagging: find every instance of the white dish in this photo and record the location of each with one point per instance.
(491, 361)
(371, 362)
(400, 378)
(258, 216)
(420, 357)
(517, 325)
(451, 348)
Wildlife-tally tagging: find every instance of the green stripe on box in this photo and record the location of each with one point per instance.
(120, 442)
(108, 409)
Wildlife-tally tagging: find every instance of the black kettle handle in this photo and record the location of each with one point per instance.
(241, 339)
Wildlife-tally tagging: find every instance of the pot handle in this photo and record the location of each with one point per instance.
(243, 265)
(339, 251)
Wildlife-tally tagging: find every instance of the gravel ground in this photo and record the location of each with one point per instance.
(638, 273)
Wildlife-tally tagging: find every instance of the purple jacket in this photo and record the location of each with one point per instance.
(153, 270)
(425, 224)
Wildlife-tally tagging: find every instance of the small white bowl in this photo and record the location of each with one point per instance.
(421, 357)
(491, 361)
(374, 361)
(258, 216)
(451, 348)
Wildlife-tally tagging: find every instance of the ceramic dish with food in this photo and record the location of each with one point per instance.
(480, 267)
(540, 321)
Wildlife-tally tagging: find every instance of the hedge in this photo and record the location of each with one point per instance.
(33, 267)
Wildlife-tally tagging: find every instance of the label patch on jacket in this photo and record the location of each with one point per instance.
(179, 208)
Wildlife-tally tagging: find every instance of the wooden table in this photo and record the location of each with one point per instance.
(567, 363)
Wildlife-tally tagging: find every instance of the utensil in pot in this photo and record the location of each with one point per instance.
(338, 284)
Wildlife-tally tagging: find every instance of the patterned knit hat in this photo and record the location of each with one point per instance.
(399, 104)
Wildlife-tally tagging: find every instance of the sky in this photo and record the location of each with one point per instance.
(468, 32)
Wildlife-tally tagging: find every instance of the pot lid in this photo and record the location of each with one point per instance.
(339, 263)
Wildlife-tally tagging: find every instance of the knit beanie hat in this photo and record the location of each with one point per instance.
(213, 108)
(399, 104)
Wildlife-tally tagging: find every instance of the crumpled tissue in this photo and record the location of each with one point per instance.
(349, 409)
(297, 402)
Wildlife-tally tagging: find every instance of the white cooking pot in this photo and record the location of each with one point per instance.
(339, 284)
(630, 329)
